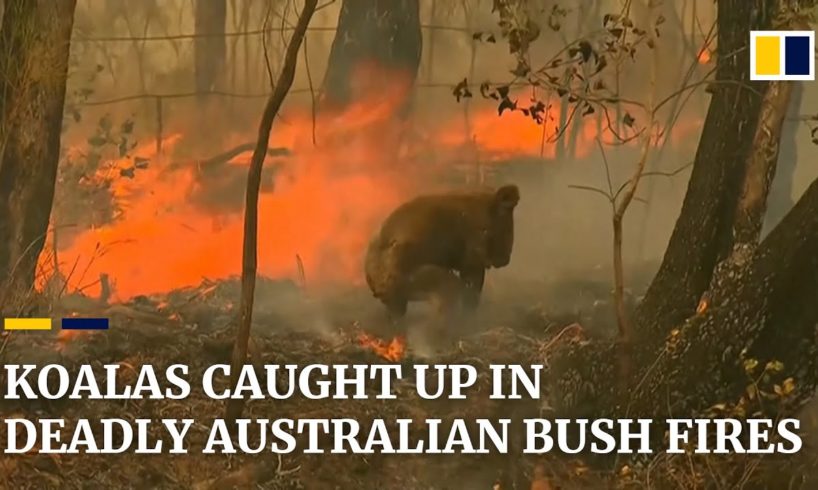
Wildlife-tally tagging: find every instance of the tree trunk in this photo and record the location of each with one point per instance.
(780, 200)
(35, 43)
(210, 45)
(376, 49)
(702, 235)
(762, 300)
(768, 308)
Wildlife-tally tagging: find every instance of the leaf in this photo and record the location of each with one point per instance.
(616, 31)
(628, 120)
(491, 39)
(586, 50)
(461, 90)
(589, 109)
(749, 365)
(609, 18)
(126, 127)
(476, 36)
(502, 91)
(774, 366)
(484, 89)
(788, 386)
(504, 105)
(127, 172)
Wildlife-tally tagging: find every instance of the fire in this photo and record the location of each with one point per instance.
(393, 350)
(704, 56)
(328, 196)
(702, 306)
(327, 201)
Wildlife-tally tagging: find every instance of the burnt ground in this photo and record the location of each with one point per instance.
(193, 327)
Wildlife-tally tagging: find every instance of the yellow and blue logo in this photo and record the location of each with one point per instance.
(782, 55)
(72, 323)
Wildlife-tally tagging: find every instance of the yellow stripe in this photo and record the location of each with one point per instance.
(768, 55)
(27, 324)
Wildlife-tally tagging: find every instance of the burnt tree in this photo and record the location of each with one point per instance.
(781, 193)
(377, 44)
(34, 47)
(210, 46)
(720, 296)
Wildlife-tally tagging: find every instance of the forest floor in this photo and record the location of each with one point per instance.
(193, 327)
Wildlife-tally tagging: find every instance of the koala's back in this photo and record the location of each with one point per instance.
(438, 217)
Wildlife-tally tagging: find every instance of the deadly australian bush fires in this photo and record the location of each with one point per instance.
(605, 208)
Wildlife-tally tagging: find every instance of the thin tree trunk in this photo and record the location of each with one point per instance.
(250, 245)
(761, 168)
(34, 48)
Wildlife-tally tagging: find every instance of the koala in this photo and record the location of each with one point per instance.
(437, 248)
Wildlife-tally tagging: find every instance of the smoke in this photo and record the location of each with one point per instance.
(324, 200)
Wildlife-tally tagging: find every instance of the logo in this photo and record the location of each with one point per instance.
(782, 55)
(71, 323)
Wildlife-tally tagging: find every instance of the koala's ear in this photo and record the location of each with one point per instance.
(507, 197)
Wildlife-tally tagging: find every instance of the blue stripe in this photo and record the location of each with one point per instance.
(85, 324)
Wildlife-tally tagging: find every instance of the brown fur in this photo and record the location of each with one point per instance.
(438, 247)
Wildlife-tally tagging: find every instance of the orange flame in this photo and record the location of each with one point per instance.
(392, 351)
(328, 196)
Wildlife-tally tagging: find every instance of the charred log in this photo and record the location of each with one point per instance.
(210, 45)
(377, 47)
(35, 43)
